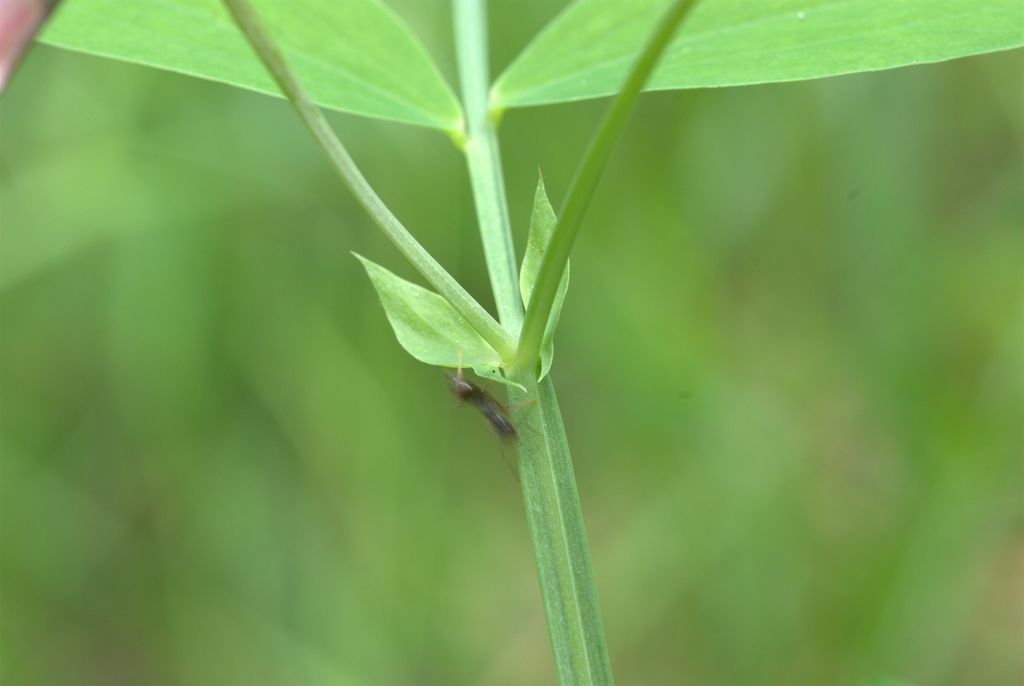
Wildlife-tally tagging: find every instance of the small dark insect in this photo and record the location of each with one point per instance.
(492, 410)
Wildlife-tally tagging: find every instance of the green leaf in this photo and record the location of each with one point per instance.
(429, 328)
(351, 55)
(587, 50)
(542, 224)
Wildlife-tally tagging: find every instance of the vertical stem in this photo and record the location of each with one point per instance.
(484, 159)
(552, 502)
(562, 555)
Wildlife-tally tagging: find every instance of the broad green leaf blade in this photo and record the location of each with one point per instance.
(351, 55)
(429, 328)
(542, 224)
(586, 51)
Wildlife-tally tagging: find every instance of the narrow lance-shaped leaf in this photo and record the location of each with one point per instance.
(542, 224)
(351, 55)
(429, 328)
(586, 51)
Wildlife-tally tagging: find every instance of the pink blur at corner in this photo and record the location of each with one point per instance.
(19, 22)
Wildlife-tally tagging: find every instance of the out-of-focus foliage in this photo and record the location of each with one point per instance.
(790, 371)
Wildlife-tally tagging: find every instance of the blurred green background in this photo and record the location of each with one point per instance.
(791, 366)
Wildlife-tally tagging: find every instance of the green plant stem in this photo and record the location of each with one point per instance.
(552, 503)
(555, 518)
(483, 157)
(581, 190)
(313, 118)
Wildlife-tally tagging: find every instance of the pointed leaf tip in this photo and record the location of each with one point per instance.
(428, 327)
(542, 225)
(356, 56)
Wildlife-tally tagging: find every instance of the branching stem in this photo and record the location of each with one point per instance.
(313, 118)
(549, 487)
(553, 512)
(581, 190)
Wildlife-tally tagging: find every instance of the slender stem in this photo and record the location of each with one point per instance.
(552, 502)
(483, 157)
(585, 182)
(313, 118)
(555, 519)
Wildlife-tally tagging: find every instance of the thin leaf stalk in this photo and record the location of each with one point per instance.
(584, 183)
(483, 157)
(431, 270)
